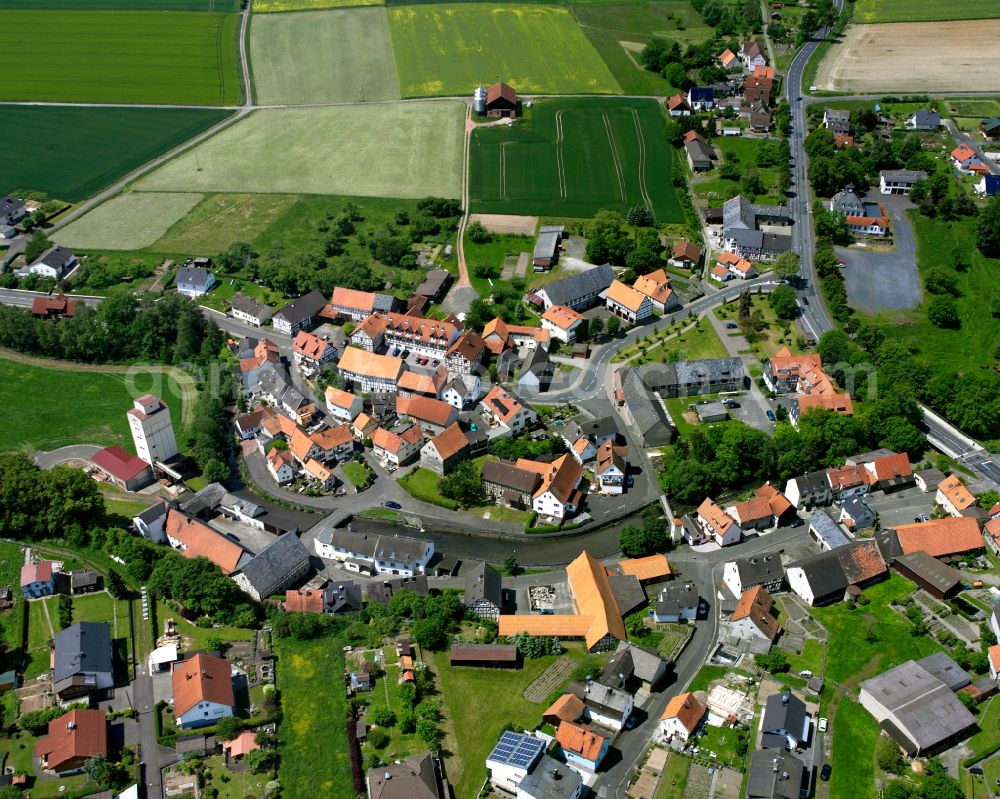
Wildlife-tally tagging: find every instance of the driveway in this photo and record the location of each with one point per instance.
(74, 452)
(877, 280)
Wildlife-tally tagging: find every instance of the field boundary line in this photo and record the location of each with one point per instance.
(560, 163)
(642, 160)
(615, 157)
(503, 170)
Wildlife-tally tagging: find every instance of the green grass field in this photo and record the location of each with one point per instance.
(312, 738)
(381, 150)
(124, 5)
(129, 221)
(674, 778)
(923, 10)
(323, 57)
(573, 158)
(184, 58)
(271, 6)
(448, 49)
(619, 31)
(938, 243)
(80, 407)
(44, 145)
(854, 731)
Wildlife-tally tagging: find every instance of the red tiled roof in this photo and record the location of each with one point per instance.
(567, 707)
(353, 299)
(755, 604)
(686, 709)
(450, 441)
(202, 678)
(202, 541)
(580, 740)
(40, 572)
(308, 600)
(80, 734)
(501, 90)
(425, 409)
(118, 463)
(940, 537)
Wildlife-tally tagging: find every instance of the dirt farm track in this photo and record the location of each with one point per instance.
(914, 57)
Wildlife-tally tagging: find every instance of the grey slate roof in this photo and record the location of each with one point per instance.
(946, 670)
(628, 592)
(828, 530)
(811, 482)
(82, 647)
(550, 779)
(924, 709)
(306, 306)
(570, 289)
(649, 417)
(940, 575)
(932, 478)
(193, 276)
(759, 570)
(267, 571)
(759, 240)
(600, 696)
(153, 512)
(738, 212)
(688, 373)
(248, 305)
(10, 205)
(383, 302)
(631, 659)
(926, 118)
(859, 511)
(785, 713)
(508, 475)
(57, 257)
(774, 775)
(847, 202)
(547, 244)
(483, 583)
(903, 175)
(343, 596)
(837, 114)
(825, 575)
(675, 597)
(699, 151)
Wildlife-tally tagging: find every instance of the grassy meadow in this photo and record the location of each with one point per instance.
(448, 49)
(44, 145)
(868, 11)
(323, 57)
(129, 221)
(124, 5)
(574, 157)
(272, 6)
(220, 219)
(380, 150)
(183, 58)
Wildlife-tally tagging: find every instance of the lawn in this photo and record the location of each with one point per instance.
(123, 507)
(11, 560)
(184, 58)
(773, 337)
(706, 676)
(479, 703)
(358, 473)
(234, 784)
(385, 150)
(220, 219)
(101, 607)
(271, 6)
(866, 11)
(673, 781)
(574, 157)
(312, 737)
(722, 741)
(124, 5)
(620, 30)
(811, 658)
(197, 637)
(128, 221)
(425, 485)
(44, 145)
(41, 629)
(715, 190)
(386, 694)
(854, 734)
(323, 57)
(80, 407)
(850, 657)
(974, 344)
(984, 742)
(701, 341)
(449, 49)
(17, 750)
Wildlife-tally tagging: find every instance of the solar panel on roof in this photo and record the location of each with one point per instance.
(515, 749)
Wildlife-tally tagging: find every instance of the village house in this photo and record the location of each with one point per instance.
(641, 409)
(578, 291)
(757, 570)
(358, 305)
(38, 579)
(562, 322)
(202, 691)
(899, 181)
(55, 263)
(501, 102)
(195, 539)
(627, 303)
(53, 307)
(753, 618)
(546, 252)
(684, 254)
(873, 222)
(676, 602)
(193, 281)
(656, 286)
(786, 723)
(825, 577)
(73, 738)
(82, 662)
(404, 333)
(693, 378)
(990, 128)
(736, 266)
(757, 94)
(507, 411)
(280, 465)
(311, 352)
(605, 705)
(300, 314)
(422, 384)
(700, 156)
(611, 468)
(677, 106)
(583, 748)
(435, 285)
(374, 552)
(701, 98)
(742, 236)
(462, 390)
(837, 121)
(498, 336)
(444, 450)
(343, 405)
(939, 538)
(123, 469)
(483, 593)
(334, 444)
(12, 210)
(752, 54)
(512, 759)
(466, 355)
(508, 484)
(369, 371)
(432, 415)
(923, 119)
(955, 498)
(249, 311)
(558, 494)
(397, 447)
(278, 566)
(681, 717)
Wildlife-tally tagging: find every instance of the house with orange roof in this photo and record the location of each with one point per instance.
(652, 568)
(780, 505)
(507, 411)
(398, 447)
(311, 352)
(407, 332)
(499, 336)
(720, 273)
(838, 403)
(681, 717)
(369, 335)
(843, 142)
(358, 305)
(611, 468)
(993, 654)
(656, 286)
(625, 302)
(432, 415)
(421, 384)
(245, 742)
(597, 620)
(848, 481)
(446, 449)
(782, 371)
(581, 747)
(890, 471)
(317, 472)
(753, 514)
(370, 371)
(558, 495)
(729, 59)
(753, 618)
(73, 738)
(939, 538)
(868, 224)
(963, 155)
(737, 266)
(363, 426)
(567, 707)
(202, 691)
(955, 498)
(466, 355)
(677, 106)
(562, 322)
(343, 405)
(718, 525)
(195, 539)
(280, 464)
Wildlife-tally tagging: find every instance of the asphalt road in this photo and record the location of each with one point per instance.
(24, 299)
(885, 279)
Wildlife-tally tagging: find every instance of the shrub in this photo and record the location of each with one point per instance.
(379, 739)
(381, 717)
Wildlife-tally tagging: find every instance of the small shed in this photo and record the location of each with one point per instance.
(494, 656)
(936, 578)
(711, 412)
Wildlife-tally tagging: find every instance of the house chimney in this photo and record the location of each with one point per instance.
(784, 699)
(784, 775)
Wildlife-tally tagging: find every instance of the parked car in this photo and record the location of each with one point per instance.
(393, 505)
(731, 325)
(923, 517)
(823, 723)
(825, 773)
(731, 404)
(771, 416)
(796, 522)
(805, 300)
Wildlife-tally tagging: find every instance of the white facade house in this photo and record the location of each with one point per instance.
(463, 390)
(395, 555)
(250, 311)
(681, 717)
(343, 405)
(279, 464)
(152, 429)
(562, 322)
(193, 281)
(512, 759)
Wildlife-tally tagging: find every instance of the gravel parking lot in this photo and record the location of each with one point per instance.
(885, 279)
